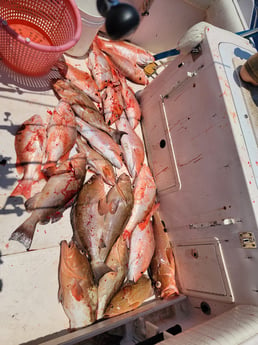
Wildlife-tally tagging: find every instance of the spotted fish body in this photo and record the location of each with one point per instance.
(129, 297)
(119, 200)
(77, 290)
(87, 222)
(162, 266)
(111, 282)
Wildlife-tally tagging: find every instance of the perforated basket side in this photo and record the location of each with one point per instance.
(44, 30)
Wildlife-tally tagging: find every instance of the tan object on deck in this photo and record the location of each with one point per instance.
(249, 71)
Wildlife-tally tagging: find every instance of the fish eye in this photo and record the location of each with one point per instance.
(158, 284)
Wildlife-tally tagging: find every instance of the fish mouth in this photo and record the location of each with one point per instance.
(66, 247)
(67, 255)
(70, 260)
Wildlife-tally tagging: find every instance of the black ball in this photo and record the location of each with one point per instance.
(121, 20)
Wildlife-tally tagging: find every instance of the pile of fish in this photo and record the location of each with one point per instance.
(119, 254)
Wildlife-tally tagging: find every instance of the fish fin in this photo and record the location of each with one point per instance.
(25, 232)
(103, 207)
(45, 221)
(117, 135)
(64, 158)
(109, 175)
(169, 253)
(144, 223)
(113, 206)
(73, 165)
(23, 188)
(59, 213)
(77, 291)
(126, 237)
(154, 208)
(121, 192)
(133, 122)
(49, 170)
(169, 292)
(57, 216)
(60, 294)
(31, 202)
(135, 305)
(99, 269)
(19, 167)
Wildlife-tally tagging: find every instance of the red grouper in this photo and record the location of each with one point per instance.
(77, 291)
(111, 282)
(119, 203)
(87, 219)
(61, 187)
(130, 297)
(162, 266)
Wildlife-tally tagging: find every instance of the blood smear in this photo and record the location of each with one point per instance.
(28, 30)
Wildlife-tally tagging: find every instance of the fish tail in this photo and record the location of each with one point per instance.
(117, 135)
(133, 122)
(126, 234)
(98, 41)
(49, 164)
(23, 188)
(25, 232)
(49, 171)
(170, 291)
(109, 176)
(99, 269)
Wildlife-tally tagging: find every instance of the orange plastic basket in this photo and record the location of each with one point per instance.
(35, 33)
